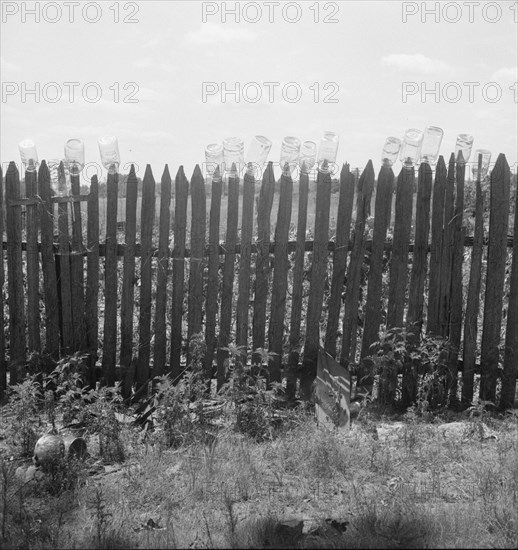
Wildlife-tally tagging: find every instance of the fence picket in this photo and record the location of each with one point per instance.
(281, 265)
(128, 285)
(92, 278)
(398, 277)
(63, 267)
(227, 291)
(196, 260)
(147, 223)
(415, 313)
(434, 284)
(473, 298)
(110, 282)
(343, 229)
(48, 264)
(298, 288)
(180, 224)
(458, 235)
(496, 259)
(247, 226)
(317, 283)
(160, 349)
(507, 397)
(262, 261)
(213, 275)
(17, 340)
(352, 295)
(33, 267)
(77, 269)
(374, 307)
(447, 256)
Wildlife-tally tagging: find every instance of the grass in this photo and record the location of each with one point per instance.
(409, 486)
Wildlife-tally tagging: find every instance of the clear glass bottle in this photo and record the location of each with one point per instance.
(327, 151)
(432, 140)
(390, 151)
(28, 154)
(213, 157)
(233, 153)
(109, 150)
(74, 155)
(290, 152)
(308, 155)
(411, 148)
(463, 145)
(257, 155)
(486, 159)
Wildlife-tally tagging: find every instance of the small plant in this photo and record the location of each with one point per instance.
(247, 389)
(101, 516)
(24, 407)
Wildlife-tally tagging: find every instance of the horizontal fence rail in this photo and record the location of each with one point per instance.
(419, 269)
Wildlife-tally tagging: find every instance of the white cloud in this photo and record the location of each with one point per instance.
(505, 75)
(416, 63)
(211, 33)
(6, 66)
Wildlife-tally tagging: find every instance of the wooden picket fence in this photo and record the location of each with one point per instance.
(62, 313)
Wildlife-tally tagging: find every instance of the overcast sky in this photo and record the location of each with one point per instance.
(350, 61)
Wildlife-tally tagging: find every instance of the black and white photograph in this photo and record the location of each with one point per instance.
(258, 274)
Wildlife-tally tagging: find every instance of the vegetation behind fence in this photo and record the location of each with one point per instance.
(420, 270)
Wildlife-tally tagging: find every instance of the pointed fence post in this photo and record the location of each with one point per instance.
(16, 301)
(63, 260)
(110, 282)
(244, 281)
(180, 225)
(447, 251)
(415, 313)
(434, 285)
(496, 258)
(77, 287)
(281, 266)
(33, 266)
(213, 275)
(196, 260)
(227, 292)
(473, 299)
(298, 288)
(262, 262)
(343, 230)
(317, 283)
(147, 222)
(507, 396)
(92, 278)
(374, 307)
(128, 285)
(352, 295)
(159, 352)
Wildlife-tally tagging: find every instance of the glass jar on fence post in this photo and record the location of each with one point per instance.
(432, 140)
(213, 157)
(463, 148)
(74, 155)
(327, 151)
(233, 153)
(109, 150)
(28, 154)
(257, 155)
(290, 151)
(411, 148)
(308, 155)
(484, 163)
(390, 151)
